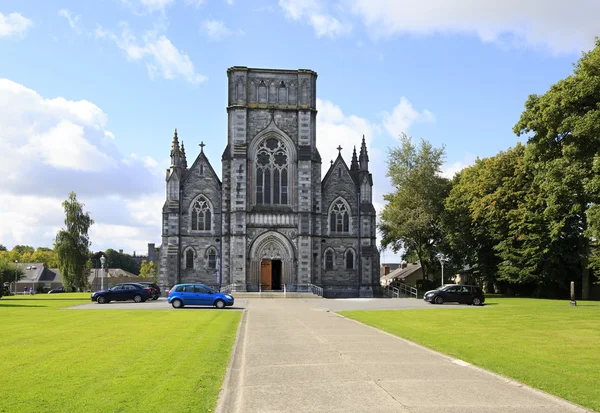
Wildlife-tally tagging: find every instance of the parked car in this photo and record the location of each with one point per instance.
(197, 294)
(56, 290)
(154, 287)
(123, 292)
(464, 294)
(5, 290)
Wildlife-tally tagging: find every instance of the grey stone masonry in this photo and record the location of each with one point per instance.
(272, 223)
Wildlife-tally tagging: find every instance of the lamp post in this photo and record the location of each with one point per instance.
(16, 275)
(102, 261)
(442, 260)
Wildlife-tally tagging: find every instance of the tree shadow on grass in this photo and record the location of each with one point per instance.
(52, 299)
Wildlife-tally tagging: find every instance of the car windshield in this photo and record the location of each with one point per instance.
(209, 290)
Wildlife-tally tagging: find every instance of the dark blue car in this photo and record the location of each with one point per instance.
(123, 292)
(197, 294)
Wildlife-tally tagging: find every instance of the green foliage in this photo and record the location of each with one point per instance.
(9, 271)
(411, 219)
(148, 270)
(72, 244)
(563, 127)
(116, 259)
(2, 248)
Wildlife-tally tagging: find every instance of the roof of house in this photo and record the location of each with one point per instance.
(401, 273)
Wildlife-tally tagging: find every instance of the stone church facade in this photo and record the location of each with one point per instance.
(272, 223)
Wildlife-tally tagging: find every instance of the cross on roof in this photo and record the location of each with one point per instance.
(339, 148)
(202, 145)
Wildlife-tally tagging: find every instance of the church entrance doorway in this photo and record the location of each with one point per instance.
(270, 274)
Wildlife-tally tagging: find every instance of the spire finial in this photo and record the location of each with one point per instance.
(202, 145)
(332, 162)
(339, 148)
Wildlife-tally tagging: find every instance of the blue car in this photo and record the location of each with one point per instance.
(197, 294)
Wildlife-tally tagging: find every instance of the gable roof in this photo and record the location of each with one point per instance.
(338, 161)
(201, 158)
(401, 273)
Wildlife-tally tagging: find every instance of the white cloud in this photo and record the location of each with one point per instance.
(402, 116)
(155, 5)
(72, 19)
(335, 129)
(51, 147)
(558, 25)
(157, 51)
(313, 13)
(14, 23)
(217, 30)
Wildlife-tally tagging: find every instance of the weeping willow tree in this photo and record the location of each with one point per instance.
(72, 244)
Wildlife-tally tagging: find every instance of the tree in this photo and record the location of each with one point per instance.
(563, 127)
(115, 259)
(72, 244)
(411, 219)
(148, 270)
(45, 256)
(2, 248)
(9, 272)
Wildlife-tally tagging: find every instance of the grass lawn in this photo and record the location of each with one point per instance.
(53, 359)
(543, 343)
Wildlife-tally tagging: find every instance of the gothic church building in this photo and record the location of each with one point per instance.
(272, 223)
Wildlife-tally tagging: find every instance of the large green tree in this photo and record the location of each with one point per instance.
(116, 259)
(148, 270)
(563, 128)
(411, 219)
(72, 244)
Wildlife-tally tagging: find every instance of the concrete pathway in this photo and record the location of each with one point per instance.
(295, 356)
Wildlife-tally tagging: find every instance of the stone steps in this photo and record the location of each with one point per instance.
(274, 294)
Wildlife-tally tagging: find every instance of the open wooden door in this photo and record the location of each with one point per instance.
(265, 274)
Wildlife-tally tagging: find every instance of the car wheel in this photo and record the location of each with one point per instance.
(220, 304)
(101, 300)
(439, 300)
(137, 298)
(476, 301)
(177, 303)
(155, 297)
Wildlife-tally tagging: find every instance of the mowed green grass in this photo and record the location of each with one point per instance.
(544, 343)
(54, 359)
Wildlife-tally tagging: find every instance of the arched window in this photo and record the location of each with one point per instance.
(329, 259)
(201, 215)
(282, 93)
(262, 92)
(189, 258)
(272, 172)
(349, 259)
(211, 254)
(339, 217)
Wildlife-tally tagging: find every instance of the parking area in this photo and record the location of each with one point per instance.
(160, 304)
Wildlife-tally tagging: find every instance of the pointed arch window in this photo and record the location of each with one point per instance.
(349, 259)
(201, 215)
(329, 259)
(339, 217)
(189, 258)
(211, 255)
(272, 172)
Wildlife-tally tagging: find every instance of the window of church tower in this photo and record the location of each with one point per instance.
(212, 258)
(339, 218)
(349, 260)
(272, 175)
(189, 259)
(201, 216)
(329, 260)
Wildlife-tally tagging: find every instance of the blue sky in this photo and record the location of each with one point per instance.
(90, 92)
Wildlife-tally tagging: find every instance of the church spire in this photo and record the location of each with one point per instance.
(183, 158)
(175, 151)
(364, 157)
(354, 164)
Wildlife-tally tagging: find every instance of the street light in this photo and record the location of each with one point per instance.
(102, 261)
(442, 260)
(16, 275)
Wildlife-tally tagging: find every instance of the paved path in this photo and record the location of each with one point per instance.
(295, 356)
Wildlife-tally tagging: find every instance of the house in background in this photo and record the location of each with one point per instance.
(405, 273)
(36, 276)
